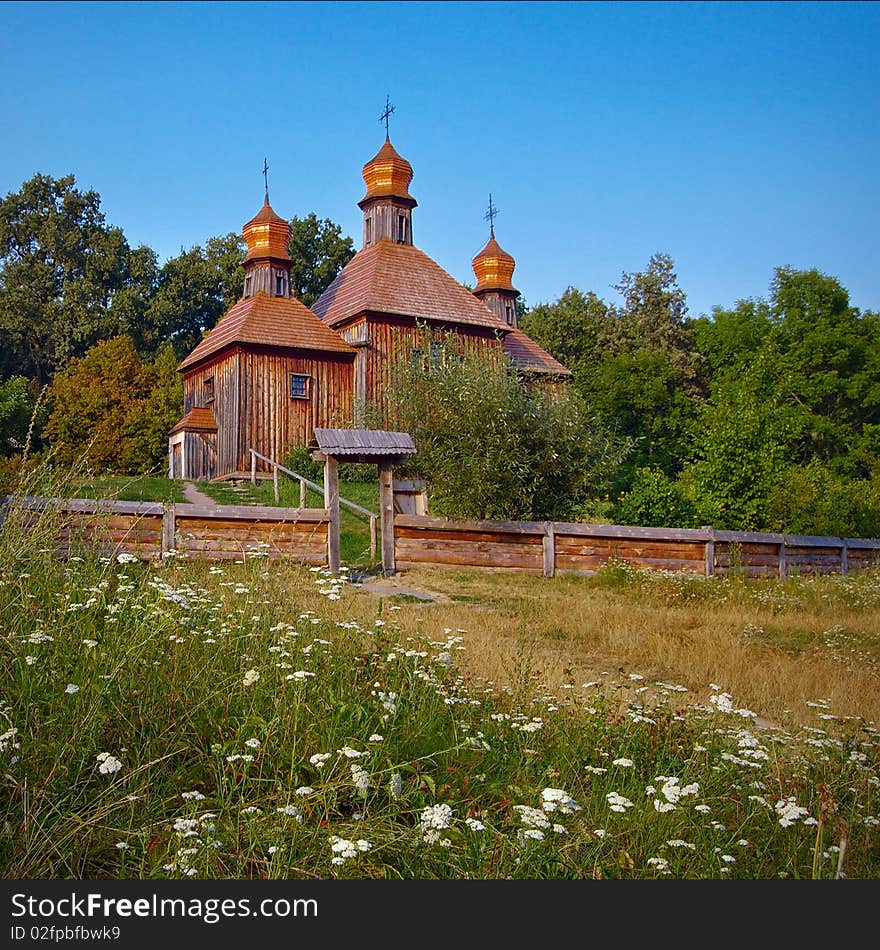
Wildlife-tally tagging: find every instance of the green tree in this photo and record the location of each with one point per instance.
(830, 359)
(60, 266)
(573, 329)
(113, 410)
(318, 252)
(16, 409)
(491, 447)
(742, 439)
(193, 291)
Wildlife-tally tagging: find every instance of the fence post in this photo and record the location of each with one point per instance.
(549, 546)
(167, 527)
(302, 493)
(331, 503)
(386, 515)
(373, 533)
(253, 468)
(844, 557)
(275, 482)
(783, 568)
(710, 550)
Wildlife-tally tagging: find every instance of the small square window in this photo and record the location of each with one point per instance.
(279, 285)
(300, 386)
(415, 359)
(436, 351)
(209, 389)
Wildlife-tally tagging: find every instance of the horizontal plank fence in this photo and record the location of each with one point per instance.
(548, 548)
(155, 529)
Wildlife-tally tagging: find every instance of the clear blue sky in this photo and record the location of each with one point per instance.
(735, 137)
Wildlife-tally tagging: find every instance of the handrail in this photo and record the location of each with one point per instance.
(303, 480)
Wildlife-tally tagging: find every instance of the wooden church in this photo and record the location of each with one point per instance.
(272, 370)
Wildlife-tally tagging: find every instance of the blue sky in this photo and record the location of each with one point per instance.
(736, 137)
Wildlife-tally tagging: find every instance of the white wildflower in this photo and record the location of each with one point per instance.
(107, 764)
(250, 678)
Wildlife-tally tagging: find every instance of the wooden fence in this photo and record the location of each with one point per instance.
(550, 547)
(153, 530)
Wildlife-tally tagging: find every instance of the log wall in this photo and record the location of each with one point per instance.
(152, 530)
(551, 547)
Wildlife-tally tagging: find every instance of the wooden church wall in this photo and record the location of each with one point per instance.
(272, 420)
(393, 339)
(221, 396)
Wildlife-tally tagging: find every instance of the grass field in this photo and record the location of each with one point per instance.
(264, 720)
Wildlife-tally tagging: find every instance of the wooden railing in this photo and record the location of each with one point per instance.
(158, 530)
(550, 547)
(305, 483)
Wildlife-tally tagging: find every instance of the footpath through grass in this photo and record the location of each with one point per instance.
(256, 720)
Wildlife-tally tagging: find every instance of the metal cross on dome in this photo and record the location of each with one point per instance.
(389, 109)
(490, 216)
(266, 177)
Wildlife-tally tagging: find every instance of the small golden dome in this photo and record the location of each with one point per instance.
(388, 175)
(493, 267)
(266, 235)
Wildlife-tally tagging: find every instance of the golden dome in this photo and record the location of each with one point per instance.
(493, 267)
(388, 175)
(266, 235)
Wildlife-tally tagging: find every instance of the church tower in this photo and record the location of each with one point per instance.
(493, 268)
(387, 205)
(267, 262)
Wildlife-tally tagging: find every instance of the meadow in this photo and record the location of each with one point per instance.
(265, 720)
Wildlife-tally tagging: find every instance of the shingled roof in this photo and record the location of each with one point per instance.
(400, 279)
(198, 419)
(530, 357)
(269, 321)
(363, 442)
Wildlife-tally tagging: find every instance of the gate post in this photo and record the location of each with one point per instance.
(386, 517)
(331, 503)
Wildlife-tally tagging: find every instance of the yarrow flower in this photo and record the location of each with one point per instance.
(789, 811)
(618, 802)
(556, 799)
(319, 759)
(361, 778)
(343, 849)
(623, 763)
(71, 688)
(433, 820)
(107, 764)
(250, 677)
(474, 825)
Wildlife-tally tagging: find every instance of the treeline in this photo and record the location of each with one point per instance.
(92, 329)
(765, 416)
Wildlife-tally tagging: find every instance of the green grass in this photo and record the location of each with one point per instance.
(129, 488)
(253, 723)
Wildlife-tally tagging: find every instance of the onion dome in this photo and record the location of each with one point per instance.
(388, 175)
(267, 235)
(493, 267)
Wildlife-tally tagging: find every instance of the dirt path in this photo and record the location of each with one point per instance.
(195, 497)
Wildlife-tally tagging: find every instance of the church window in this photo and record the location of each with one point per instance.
(416, 360)
(401, 228)
(279, 284)
(508, 314)
(209, 389)
(369, 231)
(436, 349)
(300, 386)
(248, 283)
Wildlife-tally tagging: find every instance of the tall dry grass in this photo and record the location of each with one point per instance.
(774, 646)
